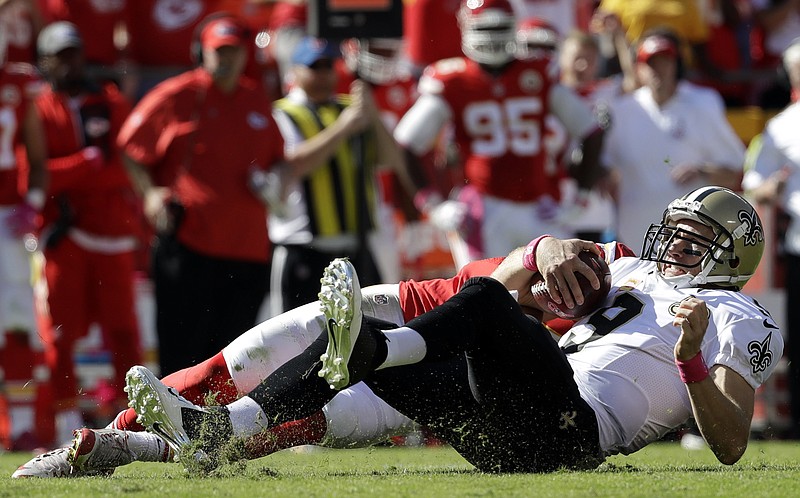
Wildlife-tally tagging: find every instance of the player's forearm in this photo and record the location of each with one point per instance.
(390, 154)
(724, 425)
(511, 272)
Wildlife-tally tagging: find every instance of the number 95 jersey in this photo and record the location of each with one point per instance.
(499, 123)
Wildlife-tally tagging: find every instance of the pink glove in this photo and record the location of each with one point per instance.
(24, 219)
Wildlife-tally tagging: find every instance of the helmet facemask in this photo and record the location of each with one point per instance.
(660, 238)
(488, 37)
(376, 60)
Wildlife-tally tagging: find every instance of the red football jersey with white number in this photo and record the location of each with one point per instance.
(499, 124)
(19, 85)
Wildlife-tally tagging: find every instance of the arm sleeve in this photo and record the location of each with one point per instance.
(572, 111)
(749, 348)
(420, 126)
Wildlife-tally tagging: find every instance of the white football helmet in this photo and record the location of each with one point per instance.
(488, 30)
(730, 258)
(376, 60)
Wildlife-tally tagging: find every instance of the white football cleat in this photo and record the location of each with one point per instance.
(158, 406)
(55, 463)
(340, 302)
(94, 449)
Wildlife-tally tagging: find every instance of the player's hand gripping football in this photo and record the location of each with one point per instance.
(558, 262)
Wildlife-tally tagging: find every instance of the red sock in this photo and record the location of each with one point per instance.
(210, 377)
(195, 383)
(309, 430)
(5, 423)
(126, 421)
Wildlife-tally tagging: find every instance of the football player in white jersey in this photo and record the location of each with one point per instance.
(674, 339)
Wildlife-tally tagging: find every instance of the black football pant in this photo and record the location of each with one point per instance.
(493, 384)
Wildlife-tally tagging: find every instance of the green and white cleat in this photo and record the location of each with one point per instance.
(159, 407)
(340, 301)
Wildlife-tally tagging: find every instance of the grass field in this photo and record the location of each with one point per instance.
(768, 469)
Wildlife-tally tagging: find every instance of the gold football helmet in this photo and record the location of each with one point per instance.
(731, 258)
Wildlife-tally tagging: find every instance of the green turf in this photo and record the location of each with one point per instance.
(661, 470)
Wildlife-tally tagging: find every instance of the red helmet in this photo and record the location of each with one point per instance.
(487, 31)
(376, 60)
(534, 36)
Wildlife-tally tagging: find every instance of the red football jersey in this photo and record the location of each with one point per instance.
(19, 85)
(499, 124)
(417, 297)
(430, 30)
(96, 21)
(203, 144)
(288, 14)
(102, 202)
(20, 21)
(161, 31)
(393, 99)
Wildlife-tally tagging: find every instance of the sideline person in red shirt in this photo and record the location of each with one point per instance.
(191, 146)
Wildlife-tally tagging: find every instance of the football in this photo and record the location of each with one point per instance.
(592, 298)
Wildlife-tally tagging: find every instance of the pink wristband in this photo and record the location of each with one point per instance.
(693, 370)
(425, 198)
(529, 256)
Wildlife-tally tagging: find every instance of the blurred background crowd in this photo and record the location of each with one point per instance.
(172, 172)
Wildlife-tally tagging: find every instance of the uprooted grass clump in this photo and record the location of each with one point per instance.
(211, 454)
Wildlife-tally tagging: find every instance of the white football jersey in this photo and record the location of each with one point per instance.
(625, 367)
